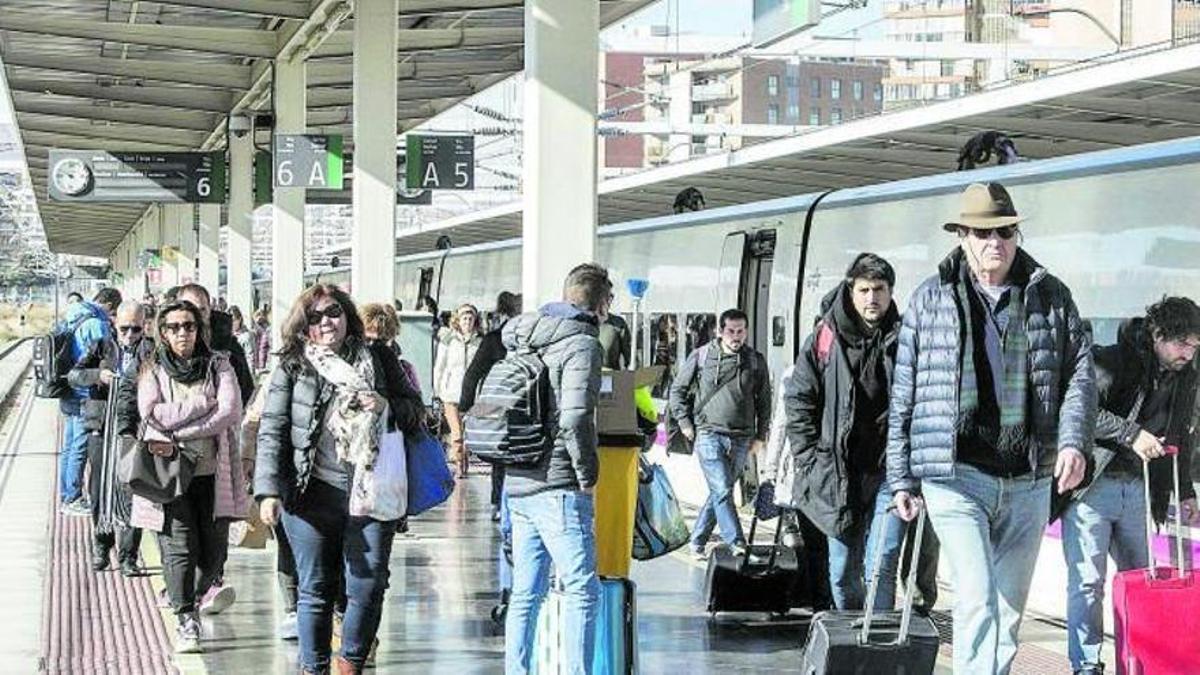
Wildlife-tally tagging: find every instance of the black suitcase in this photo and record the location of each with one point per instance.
(764, 580)
(870, 643)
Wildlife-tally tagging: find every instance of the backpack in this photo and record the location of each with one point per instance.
(509, 424)
(53, 359)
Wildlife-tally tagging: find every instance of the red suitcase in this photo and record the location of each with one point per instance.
(1156, 612)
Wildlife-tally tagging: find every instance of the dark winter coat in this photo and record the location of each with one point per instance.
(565, 338)
(820, 399)
(293, 413)
(491, 350)
(924, 406)
(220, 326)
(85, 375)
(1122, 371)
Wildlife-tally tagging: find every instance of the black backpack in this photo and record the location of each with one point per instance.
(52, 360)
(510, 422)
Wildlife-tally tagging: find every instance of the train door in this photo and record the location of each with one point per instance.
(754, 287)
(424, 285)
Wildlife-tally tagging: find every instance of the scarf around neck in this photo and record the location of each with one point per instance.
(185, 371)
(355, 430)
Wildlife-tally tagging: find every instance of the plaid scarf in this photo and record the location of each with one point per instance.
(1012, 393)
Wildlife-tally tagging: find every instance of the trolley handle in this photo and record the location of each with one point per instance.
(912, 541)
(1152, 570)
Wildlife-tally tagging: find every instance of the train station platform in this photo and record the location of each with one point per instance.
(60, 617)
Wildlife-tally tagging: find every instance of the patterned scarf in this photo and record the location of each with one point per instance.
(1013, 391)
(355, 430)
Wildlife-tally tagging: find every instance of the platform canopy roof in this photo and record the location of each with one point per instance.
(163, 76)
(1126, 99)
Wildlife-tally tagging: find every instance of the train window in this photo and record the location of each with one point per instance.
(424, 285)
(701, 328)
(664, 345)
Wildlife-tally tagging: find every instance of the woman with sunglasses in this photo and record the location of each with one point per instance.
(307, 458)
(191, 405)
(455, 353)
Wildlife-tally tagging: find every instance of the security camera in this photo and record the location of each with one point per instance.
(240, 125)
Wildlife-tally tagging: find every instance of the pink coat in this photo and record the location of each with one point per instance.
(217, 414)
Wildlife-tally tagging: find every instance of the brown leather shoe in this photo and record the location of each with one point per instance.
(343, 667)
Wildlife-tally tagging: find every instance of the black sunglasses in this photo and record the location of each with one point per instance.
(1007, 232)
(314, 316)
(176, 328)
(129, 329)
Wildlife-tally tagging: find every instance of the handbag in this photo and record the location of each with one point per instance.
(429, 479)
(381, 491)
(157, 478)
(658, 524)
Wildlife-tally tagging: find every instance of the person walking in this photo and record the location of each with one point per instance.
(90, 324)
(1147, 391)
(993, 396)
(837, 409)
(109, 372)
(551, 504)
(455, 352)
(721, 399)
(190, 406)
(327, 373)
(244, 334)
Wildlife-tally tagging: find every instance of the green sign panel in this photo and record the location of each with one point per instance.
(775, 20)
(440, 162)
(307, 161)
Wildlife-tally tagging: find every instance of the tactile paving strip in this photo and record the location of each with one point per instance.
(1031, 659)
(97, 622)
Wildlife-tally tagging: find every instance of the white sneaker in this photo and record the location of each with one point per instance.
(288, 629)
(217, 599)
(187, 636)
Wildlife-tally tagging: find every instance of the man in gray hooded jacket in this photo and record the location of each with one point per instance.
(550, 504)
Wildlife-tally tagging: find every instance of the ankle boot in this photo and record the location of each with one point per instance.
(343, 667)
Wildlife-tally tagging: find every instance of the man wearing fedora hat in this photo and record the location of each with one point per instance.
(993, 398)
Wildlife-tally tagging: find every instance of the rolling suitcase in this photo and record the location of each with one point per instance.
(615, 650)
(1156, 611)
(869, 643)
(765, 579)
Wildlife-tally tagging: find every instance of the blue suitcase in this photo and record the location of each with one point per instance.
(616, 632)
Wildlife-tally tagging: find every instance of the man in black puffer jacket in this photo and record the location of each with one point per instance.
(993, 395)
(837, 406)
(1147, 388)
(551, 504)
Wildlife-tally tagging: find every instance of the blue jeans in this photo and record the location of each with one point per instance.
(1110, 519)
(552, 526)
(330, 545)
(990, 529)
(722, 459)
(852, 556)
(73, 458)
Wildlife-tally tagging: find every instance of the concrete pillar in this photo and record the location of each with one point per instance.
(185, 219)
(373, 239)
(241, 222)
(209, 255)
(679, 115)
(168, 237)
(287, 239)
(562, 46)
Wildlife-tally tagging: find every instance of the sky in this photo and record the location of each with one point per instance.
(735, 17)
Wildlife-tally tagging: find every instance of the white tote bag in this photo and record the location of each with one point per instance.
(382, 493)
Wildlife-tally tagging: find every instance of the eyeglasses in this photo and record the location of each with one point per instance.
(314, 316)
(130, 329)
(1007, 232)
(177, 328)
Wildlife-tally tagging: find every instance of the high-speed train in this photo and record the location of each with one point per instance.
(1121, 228)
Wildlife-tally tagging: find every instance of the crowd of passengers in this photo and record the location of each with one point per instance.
(984, 403)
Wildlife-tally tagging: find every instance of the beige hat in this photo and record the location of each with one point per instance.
(985, 207)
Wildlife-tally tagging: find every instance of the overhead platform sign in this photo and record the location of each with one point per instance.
(775, 20)
(440, 162)
(308, 161)
(168, 177)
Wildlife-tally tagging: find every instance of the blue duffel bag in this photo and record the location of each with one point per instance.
(658, 524)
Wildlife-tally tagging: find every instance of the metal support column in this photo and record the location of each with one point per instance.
(561, 73)
(188, 247)
(241, 222)
(287, 239)
(373, 239)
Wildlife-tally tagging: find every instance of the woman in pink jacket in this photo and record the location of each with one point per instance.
(190, 403)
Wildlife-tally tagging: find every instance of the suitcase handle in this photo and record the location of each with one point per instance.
(750, 544)
(912, 539)
(1152, 570)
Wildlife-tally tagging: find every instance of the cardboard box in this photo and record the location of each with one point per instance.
(615, 410)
